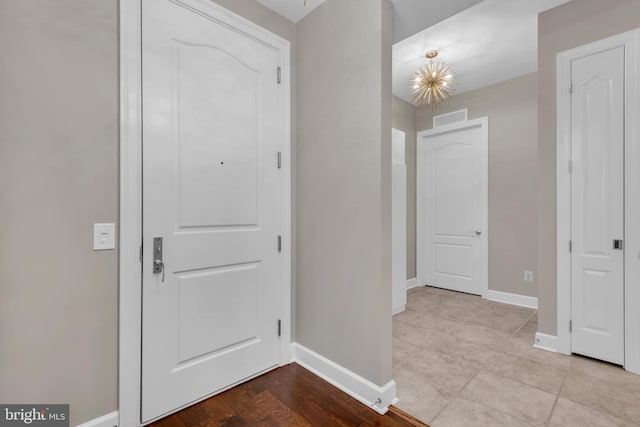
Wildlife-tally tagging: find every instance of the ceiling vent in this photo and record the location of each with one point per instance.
(447, 119)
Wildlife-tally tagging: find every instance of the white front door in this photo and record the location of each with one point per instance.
(452, 207)
(597, 203)
(211, 136)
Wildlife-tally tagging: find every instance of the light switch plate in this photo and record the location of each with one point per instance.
(104, 237)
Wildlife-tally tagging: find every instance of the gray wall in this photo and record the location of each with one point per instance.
(404, 119)
(344, 185)
(512, 110)
(571, 25)
(58, 176)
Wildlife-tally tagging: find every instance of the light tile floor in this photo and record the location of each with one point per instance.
(462, 361)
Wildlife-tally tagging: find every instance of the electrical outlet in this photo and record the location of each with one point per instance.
(528, 276)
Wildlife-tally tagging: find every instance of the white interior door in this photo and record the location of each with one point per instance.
(399, 222)
(211, 135)
(452, 207)
(597, 203)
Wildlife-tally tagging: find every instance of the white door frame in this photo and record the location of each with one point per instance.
(631, 43)
(130, 275)
(421, 197)
(398, 223)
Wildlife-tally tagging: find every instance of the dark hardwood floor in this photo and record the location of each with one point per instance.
(288, 396)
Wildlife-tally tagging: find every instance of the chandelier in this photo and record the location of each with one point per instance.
(432, 83)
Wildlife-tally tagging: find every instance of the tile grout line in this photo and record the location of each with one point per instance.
(457, 394)
(489, 406)
(398, 365)
(616, 415)
(454, 395)
(532, 314)
(524, 323)
(485, 366)
(555, 402)
(527, 357)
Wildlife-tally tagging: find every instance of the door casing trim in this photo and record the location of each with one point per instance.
(421, 169)
(130, 182)
(631, 43)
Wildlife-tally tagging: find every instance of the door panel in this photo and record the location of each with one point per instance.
(236, 155)
(454, 209)
(453, 186)
(597, 181)
(201, 310)
(454, 260)
(210, 180)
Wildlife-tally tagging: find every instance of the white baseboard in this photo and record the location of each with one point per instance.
(513, 299)
(376, 397)
(109, 420)
(398, 310)
(546, 342)
(412, 283)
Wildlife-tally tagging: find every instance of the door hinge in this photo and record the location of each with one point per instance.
(279, 327)
(570, 325)
(279, 75)
(570, 166)
(279, 243)
(141, 253)
(279, 160)
(570, 246)
(570, 86)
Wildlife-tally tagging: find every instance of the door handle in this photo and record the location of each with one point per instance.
(477, 232)
(158, 264)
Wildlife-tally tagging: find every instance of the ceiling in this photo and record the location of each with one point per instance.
(412, 16)
(492, 41)
(293, 10)
(409, 16)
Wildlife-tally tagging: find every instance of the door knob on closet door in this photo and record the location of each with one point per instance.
(478, 232)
